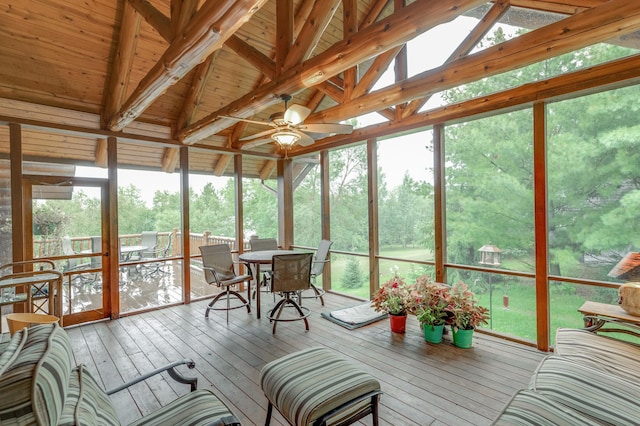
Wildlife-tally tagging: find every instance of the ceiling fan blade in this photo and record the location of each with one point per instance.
(296, 114)
(334, 128)
(263, 123)
(305, 140)
(257, 135)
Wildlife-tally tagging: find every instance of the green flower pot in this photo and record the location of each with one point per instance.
(462, 338)
(433, 333)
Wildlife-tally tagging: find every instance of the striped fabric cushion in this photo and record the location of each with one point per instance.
(198, 408)
(12, 350)
(87, 403)
(607, 354)
(305, 385)
(18, 405)
(528, 408)
(52, 377)
(601, 396)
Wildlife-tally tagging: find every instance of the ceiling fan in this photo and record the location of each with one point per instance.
(288, 127)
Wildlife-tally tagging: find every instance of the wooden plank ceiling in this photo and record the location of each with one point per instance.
(180, 65)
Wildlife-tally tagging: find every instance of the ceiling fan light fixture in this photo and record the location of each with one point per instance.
(285, 138)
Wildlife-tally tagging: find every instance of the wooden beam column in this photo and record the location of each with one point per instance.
(186, 227)
(110, 260)
(284, 32)
(439, 208)
(285, 203)
(540, 224)
(237, 177)
(325, 211)
(349, 28)
(372, 188)
(17, 197)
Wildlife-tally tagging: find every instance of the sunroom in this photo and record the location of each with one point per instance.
(484, 142)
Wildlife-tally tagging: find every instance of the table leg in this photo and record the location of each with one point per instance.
(257, 277)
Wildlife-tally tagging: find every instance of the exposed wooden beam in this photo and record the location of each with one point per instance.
(619, 73)
(614, 18)
(310, 34)
(392, 31)
(221, 164)
(192, 100)
(284, 31)
(154, 17)
(208, 30)
(315, 100)
(102, 154)
(170, 159)
(485, 24)
(302, 14)
(181, 13)
(259, 60)
(401, 66)
(374, 13)
(121, 69)
(568, 7)
(375, 71)
(349, 28)
(267, 169)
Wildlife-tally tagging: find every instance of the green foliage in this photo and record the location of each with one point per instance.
(353, 277)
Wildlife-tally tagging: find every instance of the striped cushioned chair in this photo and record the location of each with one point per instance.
(317, 387)
(40, 386)
(603, 397)
(528, 408)
(602, 353)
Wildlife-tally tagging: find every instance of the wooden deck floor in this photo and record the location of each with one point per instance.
(423, 384)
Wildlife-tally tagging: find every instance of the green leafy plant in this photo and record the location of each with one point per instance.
(429, 301)
(467, 314)
(392, 297)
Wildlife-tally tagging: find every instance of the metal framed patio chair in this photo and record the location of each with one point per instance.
(148, 239)
(261, 244)
(218, 267)
(291, 275)
(320, 259)
(157, 260)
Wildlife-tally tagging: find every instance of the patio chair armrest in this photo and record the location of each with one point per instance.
(230, 420)
(595, 323)
(169, 368)
(247, 265)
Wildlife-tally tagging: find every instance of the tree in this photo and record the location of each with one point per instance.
(352, 277)
(593, 180)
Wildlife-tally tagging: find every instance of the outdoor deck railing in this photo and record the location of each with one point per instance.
(53, 247)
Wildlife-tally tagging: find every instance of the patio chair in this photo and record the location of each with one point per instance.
(73, 265)
(291, 275)
(261, 244)
(148, 239)
(218, 267)
(319, 260)
(158, 255)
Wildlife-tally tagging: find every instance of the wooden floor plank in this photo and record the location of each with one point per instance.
(423, 384)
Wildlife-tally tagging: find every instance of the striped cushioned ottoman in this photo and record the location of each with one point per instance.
(318, 387)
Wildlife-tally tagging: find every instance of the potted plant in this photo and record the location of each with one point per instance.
(431, 302)
(466, 315)
(392, 297)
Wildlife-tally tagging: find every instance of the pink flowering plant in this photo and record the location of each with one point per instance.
(466, 312)
(392, 297)
(429, 301)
